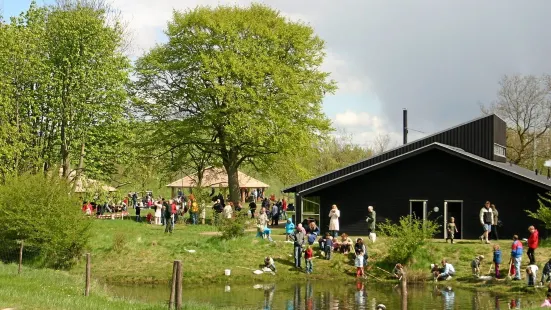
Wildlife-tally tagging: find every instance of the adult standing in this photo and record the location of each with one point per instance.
(252, 207)
(298, 243)
(168, 217)
(371, 219)
(275, 215)
(334, 215)
(516, 256)
(533, 242)
(495, 222)
(486, 218)
(262, 221)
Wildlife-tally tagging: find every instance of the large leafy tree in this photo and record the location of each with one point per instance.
(239, 83)
(62, 88)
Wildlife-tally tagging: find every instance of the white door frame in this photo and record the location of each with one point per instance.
(446, 218)
(424, 201)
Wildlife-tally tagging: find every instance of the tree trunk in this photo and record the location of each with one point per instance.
(65, 162)
(233, 182)
(80, 165)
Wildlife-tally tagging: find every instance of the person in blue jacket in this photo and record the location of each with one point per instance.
(497, 260)
(289, 229)
(516, 256)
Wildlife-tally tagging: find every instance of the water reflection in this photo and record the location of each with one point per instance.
(312, 295)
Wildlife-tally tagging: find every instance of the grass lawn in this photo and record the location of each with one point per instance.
(48, 289)
(130, 252)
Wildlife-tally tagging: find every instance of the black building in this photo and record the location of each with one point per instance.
(450, 173)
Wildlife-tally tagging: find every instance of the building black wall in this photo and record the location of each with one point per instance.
(435, 176)
(476, 137)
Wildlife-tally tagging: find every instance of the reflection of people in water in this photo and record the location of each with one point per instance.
(449, 298)
(309, 296)
(268, 296)
(360, 294)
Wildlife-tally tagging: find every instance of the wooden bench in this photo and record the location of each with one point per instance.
(118, 215)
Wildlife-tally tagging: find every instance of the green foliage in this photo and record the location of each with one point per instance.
(119, 242)
(62, 84)
(43, 212)
(407, 236)
(239, 83)
(544, 212)
(234, 227)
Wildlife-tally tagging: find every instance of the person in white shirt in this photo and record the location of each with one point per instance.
(486, 217)
(228, 210)
(531, 274)
(448, 271)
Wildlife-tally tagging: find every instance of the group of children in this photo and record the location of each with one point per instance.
(297, 234)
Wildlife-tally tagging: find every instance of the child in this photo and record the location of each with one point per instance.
(308, 256)
(359, 263)
(398, 271)
(547, 302)
(452, 229)
(546, 273)
(289, 229)
(269, 263)
(531, 274)
(328, 247)
(497, 260)
(475, 265)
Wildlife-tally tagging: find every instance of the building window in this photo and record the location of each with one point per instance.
(499, 150)
(311, 209)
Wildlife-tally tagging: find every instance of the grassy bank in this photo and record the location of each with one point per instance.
(129, 252)
(49, 289)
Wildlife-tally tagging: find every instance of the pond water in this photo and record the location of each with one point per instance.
(334, 295)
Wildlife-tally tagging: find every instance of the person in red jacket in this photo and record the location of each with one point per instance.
(533, 242)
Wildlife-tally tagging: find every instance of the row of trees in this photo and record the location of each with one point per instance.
(231, 87)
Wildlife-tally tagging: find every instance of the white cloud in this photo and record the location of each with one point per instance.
(358, 119)
(341, 71)
(365, 128)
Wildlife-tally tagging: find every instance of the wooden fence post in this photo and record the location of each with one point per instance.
(88, 269)
(404, 289)
(171, 303)
(179, 285)
(20, 258)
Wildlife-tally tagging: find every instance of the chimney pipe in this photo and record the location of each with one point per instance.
(405, 126)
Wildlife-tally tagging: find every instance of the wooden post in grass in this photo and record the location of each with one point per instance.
(404, 289)
(171, 303)
(20, 258)
(179, 278)
(88, 269)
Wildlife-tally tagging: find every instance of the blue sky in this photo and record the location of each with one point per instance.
(439, 59)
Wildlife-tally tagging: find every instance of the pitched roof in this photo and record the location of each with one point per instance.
(505, 168)
(217, 177)
(447, 136)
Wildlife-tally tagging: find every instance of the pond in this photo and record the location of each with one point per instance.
(333, 295)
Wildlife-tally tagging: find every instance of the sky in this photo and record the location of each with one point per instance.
(439, 59)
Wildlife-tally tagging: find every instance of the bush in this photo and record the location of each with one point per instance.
(45, 213)
(234, 227)
(407, 236)
(543, 213)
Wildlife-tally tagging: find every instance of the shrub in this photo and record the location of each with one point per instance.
(234, 227)
(543, 213)
(45, 213)
(119, 242)
(407, 236)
